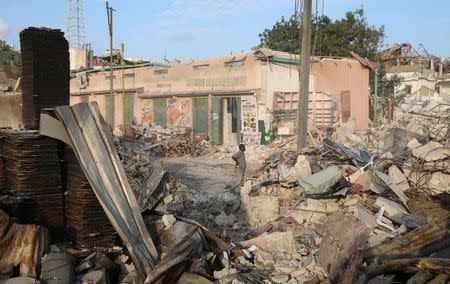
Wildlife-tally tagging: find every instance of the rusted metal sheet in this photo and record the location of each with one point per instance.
(94, 148)
(22, 245)
(33, 169)
(87, 225)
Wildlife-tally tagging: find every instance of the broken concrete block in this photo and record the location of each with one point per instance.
(366, 216)
(284, 268)
(350, 202)
(388, 181)
(168, 199)
(168, 220)
(432, 151)
(225, 220)
(397, 176)
(282, 278)
(301, 169)
(277, 241)
(264, 260)
(292, 281)
(313, 211)
(224, 273)
(298, 273)
(256, 215)
(437, 182)
(413, 144)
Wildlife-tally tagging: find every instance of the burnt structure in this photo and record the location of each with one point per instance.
(45, 72)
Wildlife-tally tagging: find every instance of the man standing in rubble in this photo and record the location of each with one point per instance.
(239, 159)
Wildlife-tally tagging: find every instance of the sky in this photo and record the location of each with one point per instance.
(184, 29)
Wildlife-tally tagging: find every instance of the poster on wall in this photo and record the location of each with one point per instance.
(179, 113)
(249, 121)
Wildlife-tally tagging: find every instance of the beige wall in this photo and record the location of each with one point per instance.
(264, 78)
(335, 75)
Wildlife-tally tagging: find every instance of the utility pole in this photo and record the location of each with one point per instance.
(109, 12)
(124, 119)
(302, 110)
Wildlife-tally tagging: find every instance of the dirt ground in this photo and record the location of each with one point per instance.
(205, 174)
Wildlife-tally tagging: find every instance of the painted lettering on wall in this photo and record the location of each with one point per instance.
(179, 113)
(216, 82)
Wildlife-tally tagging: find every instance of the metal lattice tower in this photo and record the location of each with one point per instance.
(75, 25)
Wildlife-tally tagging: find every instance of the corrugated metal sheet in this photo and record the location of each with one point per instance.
(95, 151)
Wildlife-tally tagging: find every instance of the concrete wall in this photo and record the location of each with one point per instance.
(333, 76)
(11, 111)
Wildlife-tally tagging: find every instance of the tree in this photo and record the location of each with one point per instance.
(330, 38)
(10, 60)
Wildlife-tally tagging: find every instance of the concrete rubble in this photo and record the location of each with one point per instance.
(356, 206)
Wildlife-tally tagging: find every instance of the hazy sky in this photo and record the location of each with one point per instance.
(202, 28)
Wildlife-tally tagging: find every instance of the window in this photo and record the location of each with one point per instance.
(236, 63)
(200, 67)
(129, 75)
(161, 71)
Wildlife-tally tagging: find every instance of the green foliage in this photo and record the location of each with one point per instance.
(10, 60)
(333, 38)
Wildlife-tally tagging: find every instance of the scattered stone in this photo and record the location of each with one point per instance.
(297, 256)
(263, 260)
(351, 202)
(276, 241)
(168, 220)
(280, 278)
(236, 281)
(298, 273)
(301, 169)
(230, 199)
(175, 208)
(225, 220)
(284, 268)
(253, 205)
(168, 199)
(224, 273)
(242, 260)
(432, 151)
(292, 281)
(413, 144)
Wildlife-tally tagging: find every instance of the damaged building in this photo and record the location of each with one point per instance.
(246, 97)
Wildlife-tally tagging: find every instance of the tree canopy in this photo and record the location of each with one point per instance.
(329, 37)
(10, 60)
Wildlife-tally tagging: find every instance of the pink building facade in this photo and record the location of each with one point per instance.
(246, 97)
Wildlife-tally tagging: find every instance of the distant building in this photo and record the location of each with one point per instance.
(241, 97)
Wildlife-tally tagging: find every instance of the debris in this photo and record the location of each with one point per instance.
(398, 178)
(276, 241)
(22, 246)
(58, 267)
(225, 220)
(224, 273)
(321, 182)
(432, 151)
(168, 220)
(385, 178)
(398, 214)
(281, 278)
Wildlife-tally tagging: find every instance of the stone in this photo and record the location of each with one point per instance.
(432, 151)
(224, 273)
(253, 205)
(397, 176)
(313, 211)
(168, 220)
(242, 260)
(301, 169)
(168, 199)
(284, 268)
(413, 144)
(298, 273)
(276, 241)
(297, 256)
(225, 220)
(236, 281)
(175, 208)
(264, 260)
(350, 202)
(230, 199)
(292, 281)
(282, 278)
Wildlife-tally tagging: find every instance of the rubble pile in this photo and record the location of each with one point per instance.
(32, 167)
(172, 142)
(87, 225)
